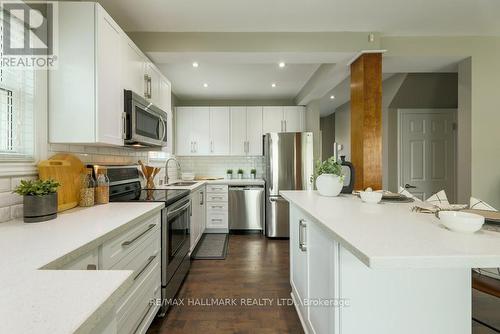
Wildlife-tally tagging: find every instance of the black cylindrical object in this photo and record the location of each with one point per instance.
(350, 187)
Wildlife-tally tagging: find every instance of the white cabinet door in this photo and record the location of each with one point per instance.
(293, 118)
(219, 131)
(298, 259)
(254, 130)
(154, 88)
(200, 129)
(133, 67)
(183, 137)
(238, 130)
(272, 119)
(109, 87)
(165, 97)
(322, 262)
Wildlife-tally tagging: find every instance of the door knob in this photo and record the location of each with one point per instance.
(409, 186)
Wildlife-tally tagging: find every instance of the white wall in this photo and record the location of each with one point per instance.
(343, 129)
(313, 125)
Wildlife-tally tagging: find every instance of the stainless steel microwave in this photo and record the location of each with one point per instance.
(145, 124)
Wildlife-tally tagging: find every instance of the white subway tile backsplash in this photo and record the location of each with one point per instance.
(5, 184)
(217, 166)
(16, 211)
(9, 199)
(5, 214)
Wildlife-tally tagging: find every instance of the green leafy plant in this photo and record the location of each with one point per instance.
(36, 187)
(329, 166)
(253, 171)
(240, 171)
(229, 171)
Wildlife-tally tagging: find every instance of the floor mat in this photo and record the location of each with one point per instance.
(212, 246)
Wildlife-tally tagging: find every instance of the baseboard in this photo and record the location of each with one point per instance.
(302, 321)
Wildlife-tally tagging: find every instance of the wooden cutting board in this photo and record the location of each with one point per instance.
(492, 216)
(66, 169)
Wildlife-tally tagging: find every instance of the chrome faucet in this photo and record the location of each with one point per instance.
(166, 180)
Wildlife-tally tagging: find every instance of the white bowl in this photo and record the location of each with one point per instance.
(372, 197)
(187, 176)
(461, 221)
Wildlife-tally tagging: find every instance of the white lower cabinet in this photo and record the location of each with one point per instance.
(217, 208)
(313, 273)
(88, 261)
(198, 214)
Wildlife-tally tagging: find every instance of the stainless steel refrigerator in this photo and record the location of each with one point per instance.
(288, 166)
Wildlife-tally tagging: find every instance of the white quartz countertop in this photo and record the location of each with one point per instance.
(36, 299)
(198, 184)
(389, 235)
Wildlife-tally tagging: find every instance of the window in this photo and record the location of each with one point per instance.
(17, 102)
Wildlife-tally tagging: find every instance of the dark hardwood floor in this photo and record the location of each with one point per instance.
(257, 270)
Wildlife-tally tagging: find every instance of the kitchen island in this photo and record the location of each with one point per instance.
(380, 268)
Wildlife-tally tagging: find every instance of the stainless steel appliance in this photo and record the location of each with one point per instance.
(144, 123)
(125, 186)
(288, 166)
(246, 208)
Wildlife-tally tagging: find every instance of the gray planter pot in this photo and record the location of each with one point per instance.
(40, 208)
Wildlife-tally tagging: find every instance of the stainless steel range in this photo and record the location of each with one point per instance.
(125, 186)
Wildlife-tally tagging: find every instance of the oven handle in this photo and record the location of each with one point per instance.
(184, 207)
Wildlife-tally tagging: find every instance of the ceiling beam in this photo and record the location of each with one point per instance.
(254, 41)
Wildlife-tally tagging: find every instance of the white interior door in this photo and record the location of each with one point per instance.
(427, 151)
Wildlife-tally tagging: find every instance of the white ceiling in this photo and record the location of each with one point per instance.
(237, 81)
(393, 17)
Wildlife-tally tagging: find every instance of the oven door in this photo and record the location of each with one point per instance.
(149, 124)
(175, 237)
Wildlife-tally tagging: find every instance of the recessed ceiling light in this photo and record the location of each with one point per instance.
(273, 85)
(205, 85)
(195, 64)
(332, 97)
(282, 64)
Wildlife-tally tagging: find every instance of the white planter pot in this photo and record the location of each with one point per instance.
(329, 184)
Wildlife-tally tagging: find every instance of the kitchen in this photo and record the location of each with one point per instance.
(183, 197)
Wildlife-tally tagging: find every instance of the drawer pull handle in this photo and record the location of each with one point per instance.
(216, 220)
(91, 267)
(130, 242)
(148, 262)
(217, 206)
(219, 197)
(144, 317)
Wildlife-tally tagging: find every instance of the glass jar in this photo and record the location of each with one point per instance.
(87, 188)
(102, 189)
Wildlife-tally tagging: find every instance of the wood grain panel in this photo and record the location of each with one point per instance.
(366, 120)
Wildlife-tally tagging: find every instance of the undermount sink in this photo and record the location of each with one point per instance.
(183, 184)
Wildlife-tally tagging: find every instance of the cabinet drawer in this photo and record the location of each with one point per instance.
(116, 249)
(213, 197)
(217, 188)
(142, 257)
(217, 220)
(217, 207)
(137, 306)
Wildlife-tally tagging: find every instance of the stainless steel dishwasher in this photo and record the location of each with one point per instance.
(246, 208)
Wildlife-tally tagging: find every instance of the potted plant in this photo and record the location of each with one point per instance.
(240, 173)
(328, 176)
(39, 199)
(229, 174)
(253, 172)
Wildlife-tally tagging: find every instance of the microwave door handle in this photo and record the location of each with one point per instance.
(163, 129)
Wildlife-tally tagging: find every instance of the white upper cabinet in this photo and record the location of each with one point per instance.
(254, 131)
(219, 131)
(133, 67)
(192, 131)
(109, 88)
(238, 130)
(97, 61)
(294, 119)
(272, 119)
